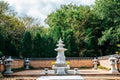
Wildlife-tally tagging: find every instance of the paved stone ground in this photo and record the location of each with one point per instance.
(51, 72)
(87, 74)
(86, 78)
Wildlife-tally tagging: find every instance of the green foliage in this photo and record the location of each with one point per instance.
(107, 35)
(102, 67)
(1, 54)
(69, 17)
(108, 11)
(49, 46)
(70, 43)
(37, 50)
(2, 43)
(26, 44)
(18, 69)
(13, 51)
(84, 67)
(86, 31)
(4, 7)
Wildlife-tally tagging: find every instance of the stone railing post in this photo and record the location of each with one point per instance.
(75, 70)
(46, 70)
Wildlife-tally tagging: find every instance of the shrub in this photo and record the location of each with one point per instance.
(18, 69)
(84, 67)
(102, 67)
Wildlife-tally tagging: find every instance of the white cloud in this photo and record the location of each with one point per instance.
(41, 8)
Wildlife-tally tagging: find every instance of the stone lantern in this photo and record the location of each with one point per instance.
(27, 63)
(95, 63)
(118, 63)
(113, 60)
(8, 65)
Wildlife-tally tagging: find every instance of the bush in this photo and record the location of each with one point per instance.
(84, 67)
(18, 69)
(1, 54)
(102, 67)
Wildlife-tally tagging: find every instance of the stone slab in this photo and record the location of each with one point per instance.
(60, 78)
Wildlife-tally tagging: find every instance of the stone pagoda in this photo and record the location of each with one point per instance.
(60, 66)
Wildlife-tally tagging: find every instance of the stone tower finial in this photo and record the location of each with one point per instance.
(60, 41)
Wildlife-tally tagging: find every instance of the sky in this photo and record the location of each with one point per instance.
(42, 8)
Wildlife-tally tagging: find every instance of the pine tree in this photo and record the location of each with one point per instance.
(2, 43)
(37, 45)
(26, 45)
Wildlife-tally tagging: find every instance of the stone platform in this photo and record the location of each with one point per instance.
(84, 72)
(60, 78)
(87, 74)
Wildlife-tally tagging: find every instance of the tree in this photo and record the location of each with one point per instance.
(37, 45)
(5, 9)
(70, 44)
(1, 54)
(2, 44)
(13, 50)
(49, 46)
(26, 45)
(10, 48)
(10, 26)
(29, 21)
(69, 17)
(108, 12)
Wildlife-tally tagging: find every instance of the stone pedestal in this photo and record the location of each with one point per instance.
(60, 70)
(8, 65)
(112, 60)
(27, 63)
(95, 63)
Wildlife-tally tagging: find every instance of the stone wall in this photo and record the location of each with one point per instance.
(105, 63)
(42, 63)
(73, 63)
(18, 63)
(1, 67)
(76, 62)
(81, 63)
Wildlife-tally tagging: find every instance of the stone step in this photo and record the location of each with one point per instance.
(60, 78)
(37, 75)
